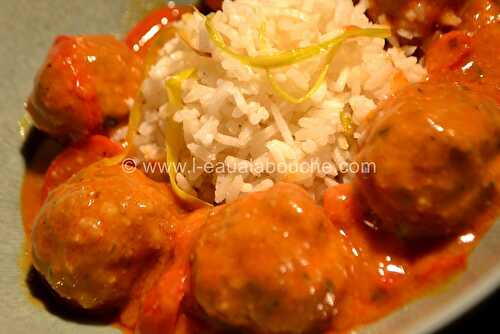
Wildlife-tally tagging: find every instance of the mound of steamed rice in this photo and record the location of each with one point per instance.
(233, 117)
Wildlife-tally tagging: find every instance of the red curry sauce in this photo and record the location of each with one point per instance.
(389, 272)
(385, 272)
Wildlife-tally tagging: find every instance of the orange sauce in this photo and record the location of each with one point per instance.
(40, 151)
(469, 59)
(31, 198)
(430, 14)
(387, 272)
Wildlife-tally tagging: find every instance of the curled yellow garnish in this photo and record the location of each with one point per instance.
(286, 58)
(346, 121)
(263, 44)
(134, 120)
(174, 87)
(317, 84)
(174, 137)
(24, 125)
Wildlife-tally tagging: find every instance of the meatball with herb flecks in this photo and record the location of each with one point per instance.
(99, 231)
(270, 262)
(84, 80)
(430, 144)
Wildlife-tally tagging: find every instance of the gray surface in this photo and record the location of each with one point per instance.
(27, 29)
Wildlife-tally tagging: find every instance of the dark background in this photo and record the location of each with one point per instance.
(484, 319)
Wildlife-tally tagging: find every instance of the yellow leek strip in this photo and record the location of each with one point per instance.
(263, 44)
(25, 124)
(174, 88)
(174, 137)
(286, 58)
(346, 121)
(135, 116)
(317, 84)
(134, 120)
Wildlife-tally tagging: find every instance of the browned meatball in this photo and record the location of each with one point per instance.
(417, 18)
(84, 80)
(471, 60)
(270, 262)
(214, 4)
(479, 13)
(99, 231)
(431, 144)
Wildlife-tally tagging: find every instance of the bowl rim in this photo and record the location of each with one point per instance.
(486, 285)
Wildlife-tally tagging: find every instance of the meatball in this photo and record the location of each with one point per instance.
(431, 144)
(84, 80)
(99, 231)
(417, 18)
(470, 60)
(479, 13)
(75, 158)
(270, 262)
(481, 71)
(214, 5)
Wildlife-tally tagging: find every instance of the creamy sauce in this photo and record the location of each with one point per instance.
(39, 152)
(386, 273)
(31, 198)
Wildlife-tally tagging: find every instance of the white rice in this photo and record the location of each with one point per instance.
(232, 116)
